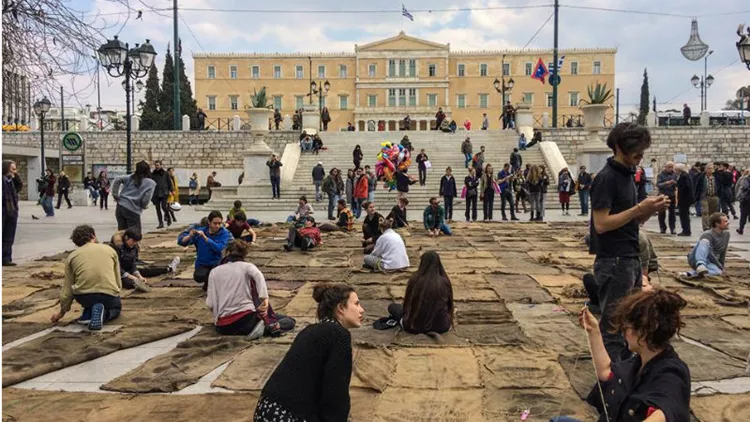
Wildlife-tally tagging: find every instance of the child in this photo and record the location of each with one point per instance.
(240, 229)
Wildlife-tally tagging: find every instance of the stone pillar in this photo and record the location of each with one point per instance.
(310, 119)
(545, 120)
(287, 122)
(705, 119)
(84, 124)
(652, 120)
(185, 123)
(525, 121)
(236, 123)
(256, 181)
(135, 123)
(79, 196)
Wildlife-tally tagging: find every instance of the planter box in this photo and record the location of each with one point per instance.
(259, 118)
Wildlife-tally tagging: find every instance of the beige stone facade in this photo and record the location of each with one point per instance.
(385, 80)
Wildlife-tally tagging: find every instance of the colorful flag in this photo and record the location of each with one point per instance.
(406, 13)
(540, 71)
(560, 61)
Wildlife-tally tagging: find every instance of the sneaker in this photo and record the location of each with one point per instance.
(257, 332)
(173, 265)
(97, 317)
(740, 231)
(160, 226)
(672, 232)
(514, 219)
(140, 286)
(9, 264)
(683, 234)
(288, 247)
(85, 317)
(701, 269)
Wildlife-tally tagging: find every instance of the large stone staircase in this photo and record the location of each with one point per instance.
(442, 149)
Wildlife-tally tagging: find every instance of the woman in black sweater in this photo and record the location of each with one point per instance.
(448, 192)
(311, 384)
(471, 182)
(357, 157)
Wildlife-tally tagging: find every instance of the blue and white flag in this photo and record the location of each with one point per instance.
(560, 61)
(406, 13)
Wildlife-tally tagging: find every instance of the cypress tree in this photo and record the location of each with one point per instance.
(150, 115)
(188, 105)
(643, 113)
(166, 100)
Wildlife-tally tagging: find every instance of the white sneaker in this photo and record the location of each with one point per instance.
(258, 331)
(701, 269)
(173, 265)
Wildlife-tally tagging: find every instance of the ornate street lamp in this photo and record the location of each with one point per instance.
(41, 108)
(743, 45)
(320, 92)
(133, 63)
(703, 82)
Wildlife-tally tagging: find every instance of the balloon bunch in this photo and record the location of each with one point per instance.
(392, 157)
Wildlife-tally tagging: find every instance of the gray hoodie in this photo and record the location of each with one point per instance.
(132, 197)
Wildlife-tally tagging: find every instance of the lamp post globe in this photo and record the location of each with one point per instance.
(709, 81)
(314, 87)
(326, 86)
(147, 55)
(139, 85)
(511, 82)
(113, 53)
(695, 80)
(496, 84)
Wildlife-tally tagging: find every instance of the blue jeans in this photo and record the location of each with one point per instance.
(700, 255)
(253, 222)
(615, 278)
(318, 195)
(445, 229)
(371, 196)
(357, 207)
(698, 208)
(276, 186)
(47, 206)
(467, 159)
(584, 197)
(332, 200)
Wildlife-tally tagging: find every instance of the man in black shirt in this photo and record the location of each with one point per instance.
(616, 214)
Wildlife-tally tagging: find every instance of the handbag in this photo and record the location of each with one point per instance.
(497, 188)
(427, 165)
(463, 193)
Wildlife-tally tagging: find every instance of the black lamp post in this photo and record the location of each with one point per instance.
(320, 92)
(501, 86)
(136, 87)
(743, 46)
(41, 108)
(133, 63)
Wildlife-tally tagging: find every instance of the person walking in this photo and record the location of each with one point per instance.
(743, 197)
(422, 160)
(161, 192)
(545, 187)
(274, 173)
(277, 119)
(504, 178)
(471, 184)
(485, 122)
(357, 157)
(360, 192)
(684, 198)
(318, 174)
(448, 192)
(174, 195)
(535, 184)
(133, 193)
(194, 189)
(467, 151)
(709, 195)
(487, 192)
(565, 186)
(89, 183)
(479, 161)
(325, 117)
(333, 186)
(47, 192)
(584, 188)
(12, 184)
(63, 186)
(439, 117)
(103, 183)
(686, 114)
(666, 182)
(201, 115)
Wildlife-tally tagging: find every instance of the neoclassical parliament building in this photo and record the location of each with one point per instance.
(383, 81)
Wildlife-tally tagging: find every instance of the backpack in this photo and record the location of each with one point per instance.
(193, 184)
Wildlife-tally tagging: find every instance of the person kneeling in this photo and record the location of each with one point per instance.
(709, 254)
(428, 302)
(371, 227)
(434, 218)
(240, 228)
(305, 237)
(92, 278)
(238, 297)
(390, 251)
(209, 241)
(125, 243)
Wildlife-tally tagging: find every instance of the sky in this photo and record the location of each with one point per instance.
(644, 40)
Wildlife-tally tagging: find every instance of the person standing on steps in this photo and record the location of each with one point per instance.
(325, 117)
(422, 166)
(467, 151)
(12, 184)
(616, 214)
(318, 174)
(103, 183)
(545, 187)
(584, 188)
(349, 188)
(372, 184)
(485, 122)
(161, 193)
(684, 198)
(439, 117)
(471, 184)
(133, 193)
(448, 192)
(516, 161)
(362, 183)
(63, 186)
(357, 157)
(667, 184)
(504, 178)
(487, 192)
(535, 185)
(277, 119)
(479, 161)
(333, 186)
(274, 172)
(521, 189)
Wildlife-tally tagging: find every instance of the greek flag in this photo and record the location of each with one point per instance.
(560, 61)
(406, 13)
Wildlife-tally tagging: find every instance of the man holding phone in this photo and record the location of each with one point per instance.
(667, 184)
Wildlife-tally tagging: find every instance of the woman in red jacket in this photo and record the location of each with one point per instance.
(361, 189)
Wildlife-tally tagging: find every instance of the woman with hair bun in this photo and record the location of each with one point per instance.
(653, 385)
(312, 382)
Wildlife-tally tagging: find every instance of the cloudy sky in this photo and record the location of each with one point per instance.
(643, 40)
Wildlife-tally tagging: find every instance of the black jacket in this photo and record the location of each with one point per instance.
(371, 226)
(163, 183)
(724, 183)
(63, 184)
(448, 187)
(471, 183)
(11, 187)
(398, 216)
(421, 158)
(318, 173)
(685, 189)
(515, 159)
(584, 181)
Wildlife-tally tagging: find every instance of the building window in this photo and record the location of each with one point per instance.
(211, 72)
(506, 69)
(321, 71)
(483, 100)
(461, 101)
(432, 70)
(549, 99)
(391, 68)
(527, 69)
(402, 68)
(343, 102)
(483, 69)
(391, 97)
(233, 102)
(573, 68)
(597, 68)
(299, 102)
(412, 68)
(299, 72)
(432, 100)
(461, 70)
(256, 72)
(277, 102)
(402, 97)
(573, 99)
(371, 70)
(412, 97)
(277, 72)
(372, 101)
(528, 98)
(233, 72)
(212, 102)
(342, 71)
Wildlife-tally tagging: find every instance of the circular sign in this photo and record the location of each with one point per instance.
(555, 80)
(72, 141)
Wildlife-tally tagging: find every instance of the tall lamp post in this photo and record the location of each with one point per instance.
(41, 108)
(703, 82)
(321, 92)
(743, 45)
(133, 63)
(134, 88)
(501, 86)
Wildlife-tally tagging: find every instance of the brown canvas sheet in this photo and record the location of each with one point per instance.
(38, 300)
(436, 368)
(518, 288)
(506, 405)
(303, 304)
(551, 327)
(722, 407)
(410, 405)
(719, 335)
(465, 294)
(250, 370)
(519, 367)
(362, 404)
(451, 338)
(469, 313)
(507, 333)
(739, 321)
(182, 366)
(580, 372)
(368, 336)
(13, 331)
(707, 365)
(372, 368)
(13, 293)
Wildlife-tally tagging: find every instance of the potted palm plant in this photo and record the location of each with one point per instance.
(596, 106)
(258, 111)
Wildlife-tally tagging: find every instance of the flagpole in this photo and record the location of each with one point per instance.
(556, 69)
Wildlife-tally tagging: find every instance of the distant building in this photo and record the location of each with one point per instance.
(16, 99)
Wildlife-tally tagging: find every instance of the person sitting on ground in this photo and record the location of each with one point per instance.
(535, 139)
(317, 144)
(345, 217)
(238, 296)
(398, 213)
(390, 251)
(240, 229)
(428, 302)
(710, 253)
(306, 143)
(371, 227)
(92, 278)
(209, 241)
(312, 381)
(125, 243)
(304, 235)
(654, 383)
(238, 208)
(303, 210)
(434, 218)
(406, 143)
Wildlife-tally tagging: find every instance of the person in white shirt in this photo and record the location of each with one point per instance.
(389, 252)
(303, 210)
